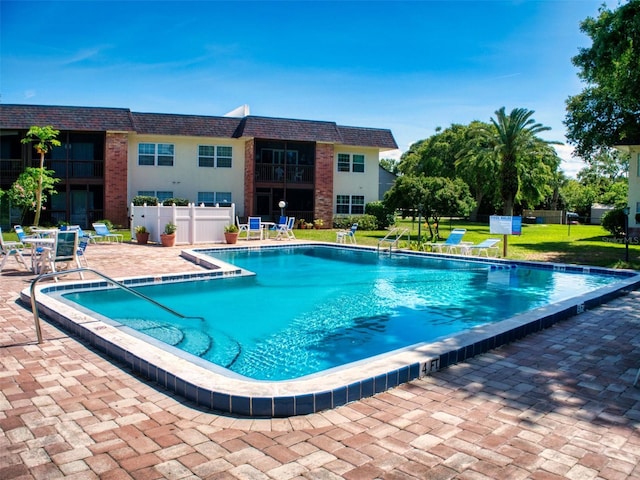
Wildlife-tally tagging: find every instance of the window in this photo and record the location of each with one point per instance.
(160, 154)
(214, 156)
(344, 162)
(350, 163)
(147, 193)
(162, 196)
(210, 199)
(350, 205)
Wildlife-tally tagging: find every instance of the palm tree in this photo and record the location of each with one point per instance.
(46, 140)
(511, 139)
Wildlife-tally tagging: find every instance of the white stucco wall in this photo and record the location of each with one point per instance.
(185, 178)
(351, 183)
(634, 185)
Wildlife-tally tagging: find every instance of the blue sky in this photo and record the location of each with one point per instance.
(407, 66)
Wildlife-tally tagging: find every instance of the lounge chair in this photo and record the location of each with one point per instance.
(102, 231)
(285, 232)
(11, 249)
(81, 233)
(343, 235)
(254, 229)
(65, 249)
(448, 246)
(486, 246)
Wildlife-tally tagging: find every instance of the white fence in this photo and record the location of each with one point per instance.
(195, 224)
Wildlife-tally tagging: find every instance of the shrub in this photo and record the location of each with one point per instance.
(384, 215)
(614, 222)
(140, 200)
(365, 222)
(180, 202)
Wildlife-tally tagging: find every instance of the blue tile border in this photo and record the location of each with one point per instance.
(306, 403)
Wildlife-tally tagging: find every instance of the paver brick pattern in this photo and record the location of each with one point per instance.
(557, 404)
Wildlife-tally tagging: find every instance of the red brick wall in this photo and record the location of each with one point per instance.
(324, 184)
(249, 176)
(115, 178)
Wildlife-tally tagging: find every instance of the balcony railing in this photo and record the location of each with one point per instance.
(267, 172)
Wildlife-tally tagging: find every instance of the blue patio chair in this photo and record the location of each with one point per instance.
(255, 228)
(343, 235)
(103, 232)
(65, 249)
(449, 246)
(285, 231)
(11, 249)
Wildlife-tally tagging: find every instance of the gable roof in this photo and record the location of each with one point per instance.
(122, 119)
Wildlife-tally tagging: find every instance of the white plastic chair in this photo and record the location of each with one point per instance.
(65, 249)
(255, 228)
(11, 249)
(242, 227)
(343, 235)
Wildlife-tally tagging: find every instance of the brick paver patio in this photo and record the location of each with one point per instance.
(558, 404)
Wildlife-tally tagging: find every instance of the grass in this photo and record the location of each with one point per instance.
(581, 244)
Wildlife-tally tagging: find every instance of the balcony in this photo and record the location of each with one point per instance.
(270, 173)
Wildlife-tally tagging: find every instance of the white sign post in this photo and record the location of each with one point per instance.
(505, 225)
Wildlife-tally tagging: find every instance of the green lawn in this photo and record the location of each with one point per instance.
(583, 244)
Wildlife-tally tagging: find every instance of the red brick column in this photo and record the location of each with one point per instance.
(324, 184)
(249, 176)
(115, 178)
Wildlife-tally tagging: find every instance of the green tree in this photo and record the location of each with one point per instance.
(390, 165)
(514, 136)
(436, 155)
(45, 140)
(607, 111)
(24, 191)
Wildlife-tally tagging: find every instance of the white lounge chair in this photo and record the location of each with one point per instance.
(449, 245)
(285, 231)
(65, 249)
(242, 227)
(486, 246)
(102, 231)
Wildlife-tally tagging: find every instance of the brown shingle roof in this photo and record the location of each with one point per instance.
(367, 137)
(66, 118)
(185, 125)
(122, 119)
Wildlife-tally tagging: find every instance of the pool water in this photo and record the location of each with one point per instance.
(309, 309)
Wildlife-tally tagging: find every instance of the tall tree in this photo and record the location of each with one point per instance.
(45, 139)
(514, 136)
(607, 111)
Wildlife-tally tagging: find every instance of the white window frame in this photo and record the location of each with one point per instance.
(351, 162)
(355, 205)
(158, 154)
(219, 159)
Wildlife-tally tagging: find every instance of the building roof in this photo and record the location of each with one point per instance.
(122, 119)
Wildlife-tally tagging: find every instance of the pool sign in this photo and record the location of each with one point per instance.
(505, 225)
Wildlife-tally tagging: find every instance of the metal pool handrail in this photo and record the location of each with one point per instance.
(398, 232)
(34, 304)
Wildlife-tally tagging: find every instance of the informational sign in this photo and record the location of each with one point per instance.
(505, 225)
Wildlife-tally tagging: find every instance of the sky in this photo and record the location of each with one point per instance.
(408, 66)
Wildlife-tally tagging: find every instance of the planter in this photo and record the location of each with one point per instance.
(168, 239)
(142, 238)
(231, 237)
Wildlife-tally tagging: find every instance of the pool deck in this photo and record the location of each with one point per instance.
(556, 404)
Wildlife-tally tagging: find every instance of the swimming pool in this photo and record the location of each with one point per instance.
(412, 292)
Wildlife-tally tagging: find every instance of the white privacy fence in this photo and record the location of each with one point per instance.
(196, 224)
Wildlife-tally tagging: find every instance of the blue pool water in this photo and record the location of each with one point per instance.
(309, 309)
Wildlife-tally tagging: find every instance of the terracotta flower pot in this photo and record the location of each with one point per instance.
(142, 238)
(168, 240)
(231, 237)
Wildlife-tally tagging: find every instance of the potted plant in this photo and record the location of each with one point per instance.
(231, 233)
(142, 235)
(168, 238)
(318, 223)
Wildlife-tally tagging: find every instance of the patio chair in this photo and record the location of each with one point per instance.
(11, 249)
(103, 232)
(343, 235)
(486, 246)
(285, 231)
(255, 228)
(81, 233)
(65, 249)
(242, 227)
(449, 246)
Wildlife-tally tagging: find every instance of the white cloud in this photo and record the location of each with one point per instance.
(570, 165)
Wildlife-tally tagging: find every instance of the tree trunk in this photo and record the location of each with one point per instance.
(509, 183)
(36, 220)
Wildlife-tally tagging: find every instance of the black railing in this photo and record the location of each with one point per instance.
(267, 172)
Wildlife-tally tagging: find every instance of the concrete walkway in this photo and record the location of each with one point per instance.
(558, 404)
